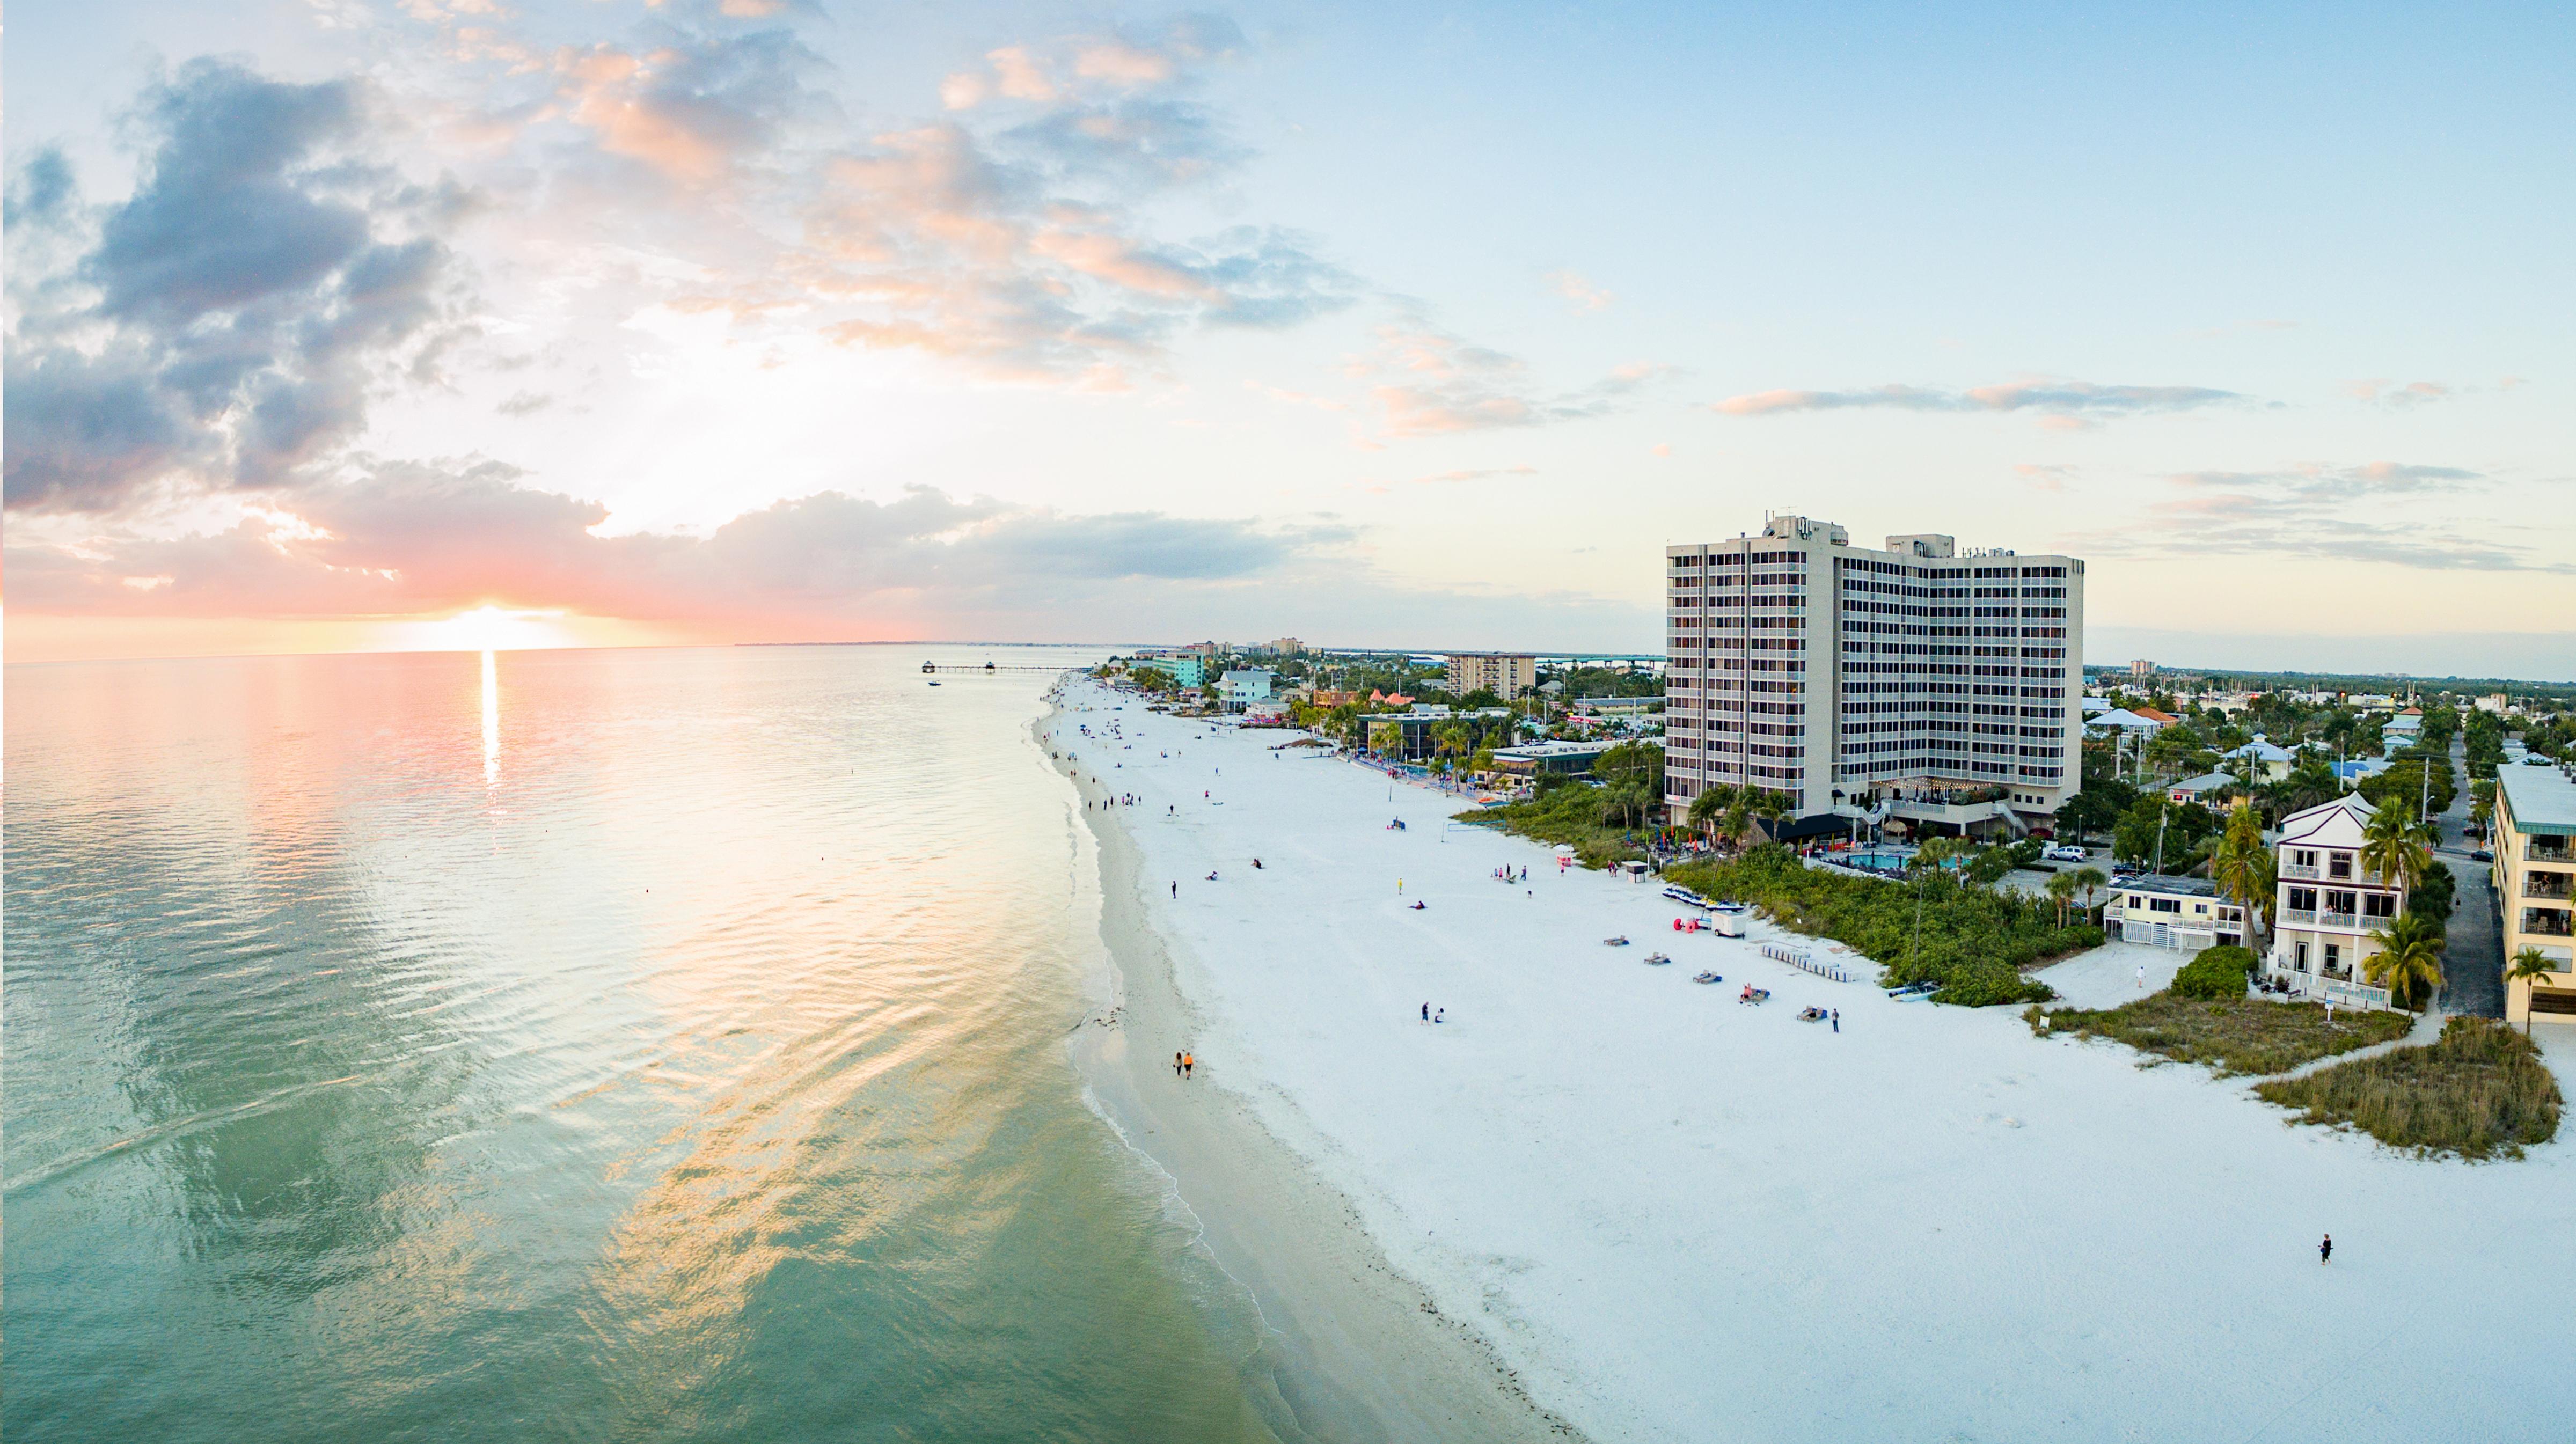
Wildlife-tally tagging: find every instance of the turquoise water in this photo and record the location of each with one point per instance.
(634, 1045)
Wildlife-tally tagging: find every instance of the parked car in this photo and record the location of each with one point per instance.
(2067, 852)
(2481, 855)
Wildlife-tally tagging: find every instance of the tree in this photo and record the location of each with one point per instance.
(2410, 953)
(2396, 846)
(2242, 867)
(2089, 879)
(1710, 806)
(2217, 974)
(2097, 808)
(2061, 890)
(2311, 781)
(2529, 967)
(1641, 761)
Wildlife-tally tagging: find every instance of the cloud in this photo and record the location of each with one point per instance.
(2331, 512)
(2383, 392)
(227, 320)
(694, 108)
(1486, 473)
(524, 403)
(403, 539)
(2044, 477)
(1585, 295)
(1427, 382)
(2077, 399)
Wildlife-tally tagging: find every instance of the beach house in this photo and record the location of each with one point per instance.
(2185, 913)
(2259, 760)
(2535, 887)
(2403, 731)
(2329, 911)
(2213, 790)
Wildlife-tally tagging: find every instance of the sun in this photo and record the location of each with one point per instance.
(489, 628)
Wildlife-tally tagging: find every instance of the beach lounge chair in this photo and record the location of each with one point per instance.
(1706, 978)
(1656, 960)
(1619, 942)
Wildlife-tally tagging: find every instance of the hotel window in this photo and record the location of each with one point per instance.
(2339, 865)
(2334, 956)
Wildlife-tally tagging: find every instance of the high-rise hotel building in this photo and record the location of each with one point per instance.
(1917, 682)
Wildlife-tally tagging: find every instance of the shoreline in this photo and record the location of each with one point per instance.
(1359, 1351)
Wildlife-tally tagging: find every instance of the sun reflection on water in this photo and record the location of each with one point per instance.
(491, 721)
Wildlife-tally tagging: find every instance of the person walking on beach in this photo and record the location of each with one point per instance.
(2325, 1250)
(1176, 889)
(2142, 977)
(1426, 1012)
(1189, 1064)
(1838, 1020)
(1176, 1065)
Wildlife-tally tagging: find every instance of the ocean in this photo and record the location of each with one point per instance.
(653, 1044)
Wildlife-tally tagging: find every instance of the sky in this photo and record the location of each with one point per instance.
(365, 324)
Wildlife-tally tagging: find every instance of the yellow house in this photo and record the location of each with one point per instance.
(2535, 882)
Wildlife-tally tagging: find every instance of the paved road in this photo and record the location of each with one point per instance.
(2473, 954)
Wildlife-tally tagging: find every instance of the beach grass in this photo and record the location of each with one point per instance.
(2235, 1036)
(2479, 1091)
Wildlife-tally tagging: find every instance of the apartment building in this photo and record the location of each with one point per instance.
(1506, 674)
(2330, 910)
(1917, 681)
(2535, 887)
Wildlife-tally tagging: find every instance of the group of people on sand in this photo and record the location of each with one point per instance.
(1182, 1064)
(1428, 1016)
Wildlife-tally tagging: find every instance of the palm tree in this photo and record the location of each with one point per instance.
(1770, 807)
(1710, 805)
(2396, 846)
(2529, 966)
(2242, 867)
(2309, 783)
(2088, 878)
(2410, 952)
(2061, 888)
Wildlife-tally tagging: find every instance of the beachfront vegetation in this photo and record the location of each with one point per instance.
(1594, 821)
(2480, 1091)
(1937, 928)
(2409, 961)
(2218, 973)
(2238, 1035)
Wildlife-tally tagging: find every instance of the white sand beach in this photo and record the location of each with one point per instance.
(1640, 1208)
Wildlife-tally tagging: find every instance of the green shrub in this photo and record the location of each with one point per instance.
(2219, 973)
(1972, 942)
(2479, 1091)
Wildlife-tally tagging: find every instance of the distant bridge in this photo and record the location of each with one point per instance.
(987, 669)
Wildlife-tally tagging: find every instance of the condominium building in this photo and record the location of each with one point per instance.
(2330, 912)
(2535, 883)
(1918, 682)
(1505, 674)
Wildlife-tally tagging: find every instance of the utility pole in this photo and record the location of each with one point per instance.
(2167, 812)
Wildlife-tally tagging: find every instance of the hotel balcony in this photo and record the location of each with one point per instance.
(2308, 870)
(2551, 886)
(2547, 923)
(2549, 849)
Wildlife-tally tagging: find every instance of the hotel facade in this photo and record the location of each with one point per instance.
(1919, 682)
(2535, 887)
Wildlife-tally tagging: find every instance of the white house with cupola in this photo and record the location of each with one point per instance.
(2330, 909)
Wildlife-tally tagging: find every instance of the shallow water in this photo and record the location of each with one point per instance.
(582, 1045)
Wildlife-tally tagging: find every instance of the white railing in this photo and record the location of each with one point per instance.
(2299, 869)
(2339, 920)
(2298, 918)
